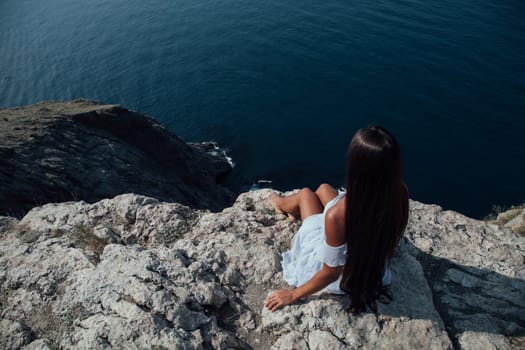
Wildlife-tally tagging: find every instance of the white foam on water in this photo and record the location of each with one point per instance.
(219, 152)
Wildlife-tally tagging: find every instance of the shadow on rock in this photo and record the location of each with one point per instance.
(471, 299)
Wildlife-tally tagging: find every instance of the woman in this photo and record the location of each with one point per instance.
(344, 246)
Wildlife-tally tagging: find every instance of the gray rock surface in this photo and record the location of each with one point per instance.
(514, 219)
(133, 272)
(81, 150)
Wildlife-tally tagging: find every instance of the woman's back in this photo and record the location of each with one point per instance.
(346, 245)
(376, 212)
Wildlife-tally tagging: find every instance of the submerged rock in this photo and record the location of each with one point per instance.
(133, 272)
(82, 150)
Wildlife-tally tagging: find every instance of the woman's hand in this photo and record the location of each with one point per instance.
(279, 299)
(320, 280)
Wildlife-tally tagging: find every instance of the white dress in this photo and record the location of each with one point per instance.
(306, 257)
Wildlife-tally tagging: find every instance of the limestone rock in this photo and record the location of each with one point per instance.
(513, 219)
(474, 341)
(14, 335)
(133, 272)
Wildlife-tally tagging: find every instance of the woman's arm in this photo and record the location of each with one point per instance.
(335, 236)
(320, 280)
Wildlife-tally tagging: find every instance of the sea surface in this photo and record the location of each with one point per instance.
(283, 85)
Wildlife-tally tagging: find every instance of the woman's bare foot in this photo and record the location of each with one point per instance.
(274, 200)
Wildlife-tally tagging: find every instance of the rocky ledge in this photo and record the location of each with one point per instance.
(133, 272)
(82, 150)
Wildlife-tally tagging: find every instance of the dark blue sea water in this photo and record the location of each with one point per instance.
(283, 84)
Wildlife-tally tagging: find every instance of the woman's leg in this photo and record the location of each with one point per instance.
(326, 193)
(304, 203)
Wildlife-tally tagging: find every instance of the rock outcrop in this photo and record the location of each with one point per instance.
(513, 218)
(133, 272)
(81, 150)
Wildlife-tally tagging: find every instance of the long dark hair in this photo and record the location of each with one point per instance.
(376, 213)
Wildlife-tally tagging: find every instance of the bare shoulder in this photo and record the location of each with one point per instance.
(335, 224)
(337, 212)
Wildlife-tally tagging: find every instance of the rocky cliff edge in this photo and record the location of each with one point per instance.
(84, 150)
(133, 272)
